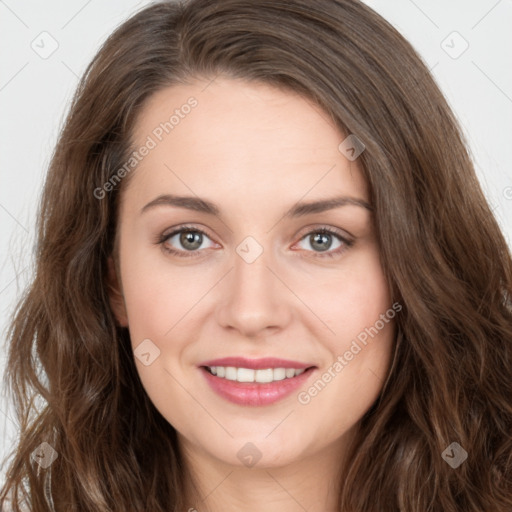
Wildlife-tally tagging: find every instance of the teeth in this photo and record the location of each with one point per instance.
(279, 374)
(245, 375)
(249, 375)
(230, 373)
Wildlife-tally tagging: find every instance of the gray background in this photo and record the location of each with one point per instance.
(35, 90)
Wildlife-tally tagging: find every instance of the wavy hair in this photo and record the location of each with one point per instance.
(442, 252)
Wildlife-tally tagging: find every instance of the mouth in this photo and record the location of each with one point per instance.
(255, 382)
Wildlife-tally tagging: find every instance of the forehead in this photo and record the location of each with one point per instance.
(233, 137)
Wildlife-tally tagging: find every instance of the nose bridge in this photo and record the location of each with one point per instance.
(252, 280)
(251, 267)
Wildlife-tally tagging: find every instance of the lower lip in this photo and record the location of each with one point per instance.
(254, 393)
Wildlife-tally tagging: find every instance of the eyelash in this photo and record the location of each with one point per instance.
(161, 239)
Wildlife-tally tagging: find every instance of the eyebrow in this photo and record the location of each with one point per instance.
(298, 210)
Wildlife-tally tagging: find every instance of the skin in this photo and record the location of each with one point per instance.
(254, 150)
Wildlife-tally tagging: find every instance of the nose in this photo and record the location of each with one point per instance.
(256, 301)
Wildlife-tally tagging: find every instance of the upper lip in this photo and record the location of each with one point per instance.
(257, 364)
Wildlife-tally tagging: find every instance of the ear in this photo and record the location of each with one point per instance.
(116, 295)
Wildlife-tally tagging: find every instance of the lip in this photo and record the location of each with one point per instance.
(253, 393)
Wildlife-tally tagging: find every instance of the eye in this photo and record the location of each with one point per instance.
(191, 240)
(321, 241)
(188, 237)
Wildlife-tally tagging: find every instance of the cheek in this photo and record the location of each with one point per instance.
(360, 357)
(338, 400)
(353, 298)
(158, 295)
(157, 301)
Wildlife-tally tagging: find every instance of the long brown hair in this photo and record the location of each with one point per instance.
(442, 252)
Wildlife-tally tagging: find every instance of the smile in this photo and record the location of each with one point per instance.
(255, 382)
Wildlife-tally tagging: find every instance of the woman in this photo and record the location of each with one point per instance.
(201, 348)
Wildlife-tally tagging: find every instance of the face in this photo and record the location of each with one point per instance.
(246, 309)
